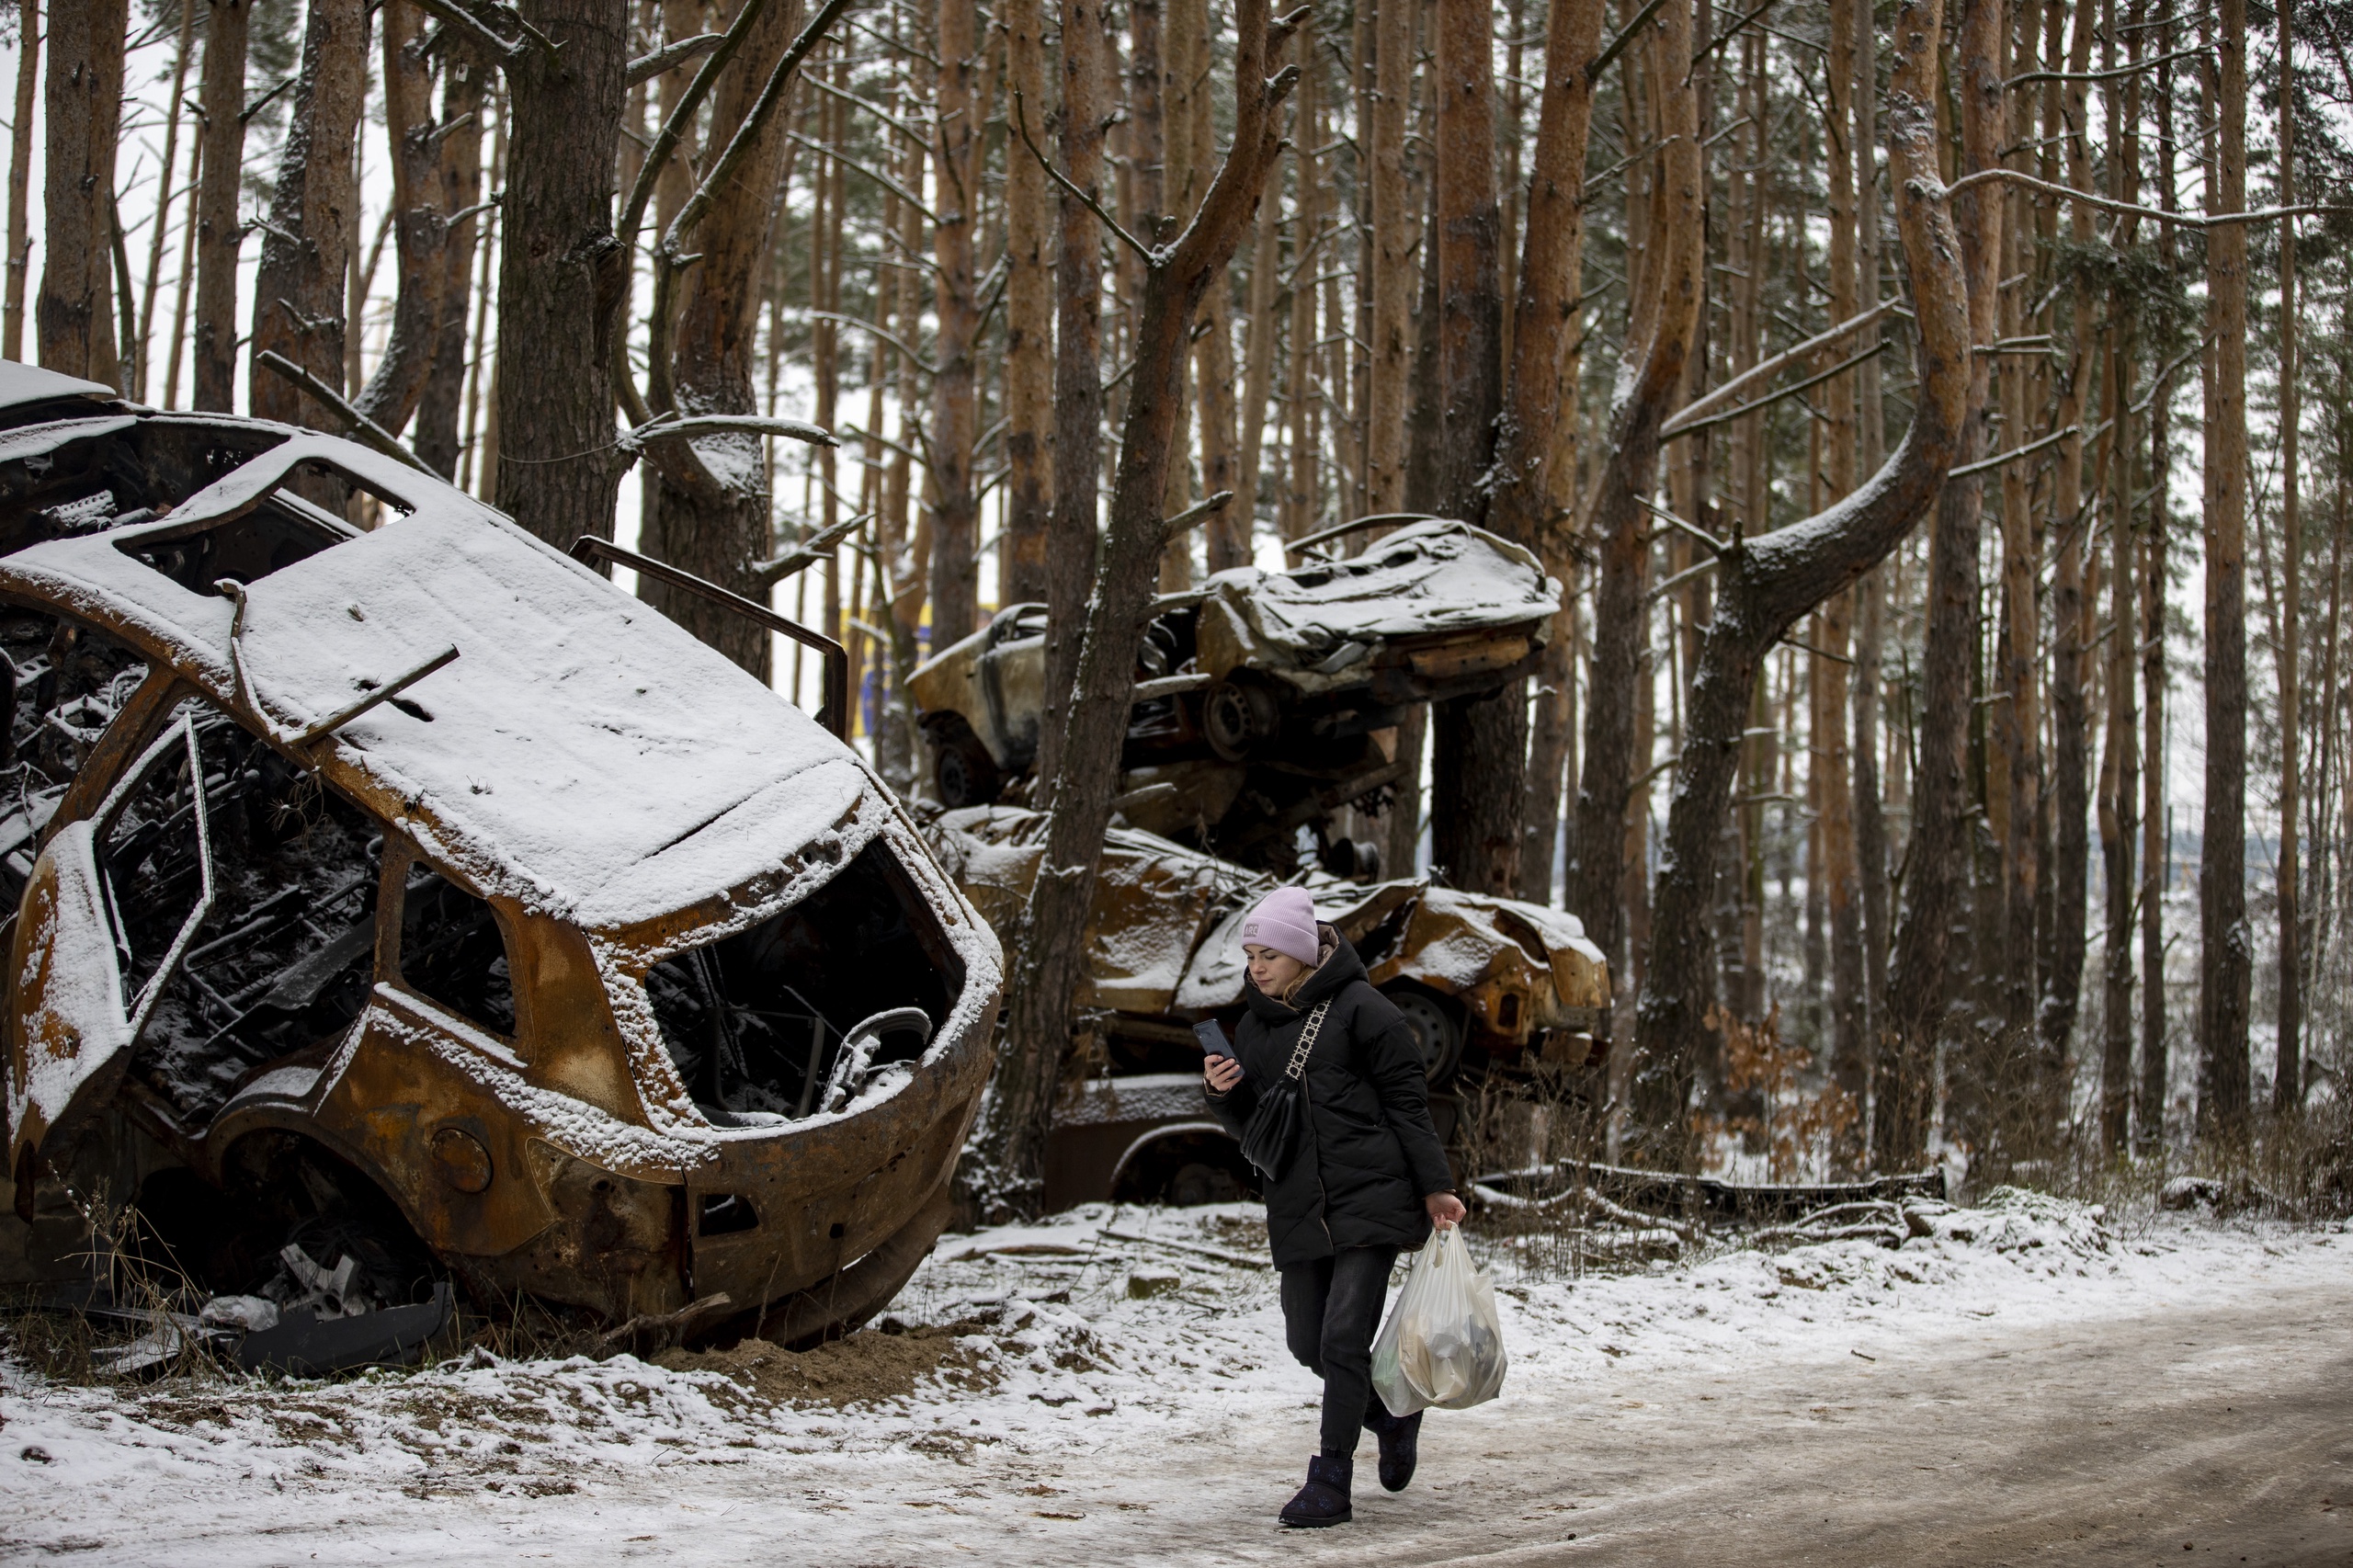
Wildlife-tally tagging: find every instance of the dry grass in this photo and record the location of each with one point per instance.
(145, 1280)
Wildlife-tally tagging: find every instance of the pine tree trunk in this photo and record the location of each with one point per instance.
(1938, 861)
(1871, 442)
(2122, 780)
(73, 316)
(219, 236)
(1421, 493)
(1666, 311)
(298, 301)
(20, 174)
(711, 518)
(2288, 1080)
(1394, 260)
(1257, 360)
(437, 439)
(2070, 710)
(166, 193)
(962, 102)
(552, 408)
(1078, 354)
(1831, 757)
(1479, 782)
(1297, 515)
(420, 226)
(2225, 960)
(1532, 494)
(2016, 718)
(1478, 744)
(1028, 318)
(2118, 451)
(2157, 858)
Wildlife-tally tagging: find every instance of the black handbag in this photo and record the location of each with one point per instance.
(1271, 1136)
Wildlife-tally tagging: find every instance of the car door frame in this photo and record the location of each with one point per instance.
(54, 1019)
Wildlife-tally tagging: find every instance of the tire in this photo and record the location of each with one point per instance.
(961, 768)
(1437, 1029)
(1238, 719)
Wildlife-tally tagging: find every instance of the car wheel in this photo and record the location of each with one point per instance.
(962, 769)
(1196, 1183)
(1238, 719)
(1437, 1027)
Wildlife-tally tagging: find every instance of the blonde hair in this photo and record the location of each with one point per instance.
(1306, 972)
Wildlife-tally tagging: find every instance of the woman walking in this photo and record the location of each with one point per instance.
(1365, 1179)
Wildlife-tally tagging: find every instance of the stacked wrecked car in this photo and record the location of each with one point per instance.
(416, 896)
(1265, 701)
(1490, 986)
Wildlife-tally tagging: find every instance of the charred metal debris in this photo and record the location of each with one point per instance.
(407, 915)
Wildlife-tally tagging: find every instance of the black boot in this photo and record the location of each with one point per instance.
(1324, 1499)
(1400, 1438)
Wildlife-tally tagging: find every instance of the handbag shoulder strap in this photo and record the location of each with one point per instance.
(1307, 1039)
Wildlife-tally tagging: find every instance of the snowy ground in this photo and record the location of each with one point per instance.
(1117, 1391)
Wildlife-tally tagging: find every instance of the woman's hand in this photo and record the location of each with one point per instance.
(1446, 1210)
(1220, 1073)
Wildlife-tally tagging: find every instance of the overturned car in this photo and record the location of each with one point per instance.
(1264, 700)
(1489, 986)
(421, 889)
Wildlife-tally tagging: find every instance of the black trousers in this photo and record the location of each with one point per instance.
(1330, 1312)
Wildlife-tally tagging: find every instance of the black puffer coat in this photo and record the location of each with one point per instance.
(1368, 1154)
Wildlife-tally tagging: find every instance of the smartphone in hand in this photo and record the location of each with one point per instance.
(1212, 1039)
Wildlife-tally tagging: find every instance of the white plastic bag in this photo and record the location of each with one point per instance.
(1443, 1344)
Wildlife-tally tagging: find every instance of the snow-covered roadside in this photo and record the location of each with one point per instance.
(1121, 1374)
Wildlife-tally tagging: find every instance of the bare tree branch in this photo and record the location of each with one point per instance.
(1703, 409)
(877, 176)
(370, 433)
(670, 56)
(1021, 123)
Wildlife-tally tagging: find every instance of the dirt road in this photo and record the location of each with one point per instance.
(2200, 1437)
(2206, 1438)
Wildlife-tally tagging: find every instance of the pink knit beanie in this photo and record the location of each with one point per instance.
(1285, 921)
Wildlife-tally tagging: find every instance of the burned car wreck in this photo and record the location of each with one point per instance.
(418, 897)
(1489, 985)
(1265, 700)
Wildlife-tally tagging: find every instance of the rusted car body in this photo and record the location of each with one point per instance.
(424, 874)
(1489, 984)
(1265, 700)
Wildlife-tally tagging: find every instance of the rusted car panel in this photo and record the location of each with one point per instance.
(1490, 984)
(624, 982)
(1265, 700)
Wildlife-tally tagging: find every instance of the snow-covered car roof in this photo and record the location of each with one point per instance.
(582, 752)
(1440, 576)
(22, 385)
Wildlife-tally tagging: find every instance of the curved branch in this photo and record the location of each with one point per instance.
(365, 429)
(670, 56)
(1021, 122)
(666, 140)
(748, 135)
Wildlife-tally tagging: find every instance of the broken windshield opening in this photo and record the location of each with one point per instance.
(270, 537)
(452, 951)
(756, 1021)
(284, 958)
